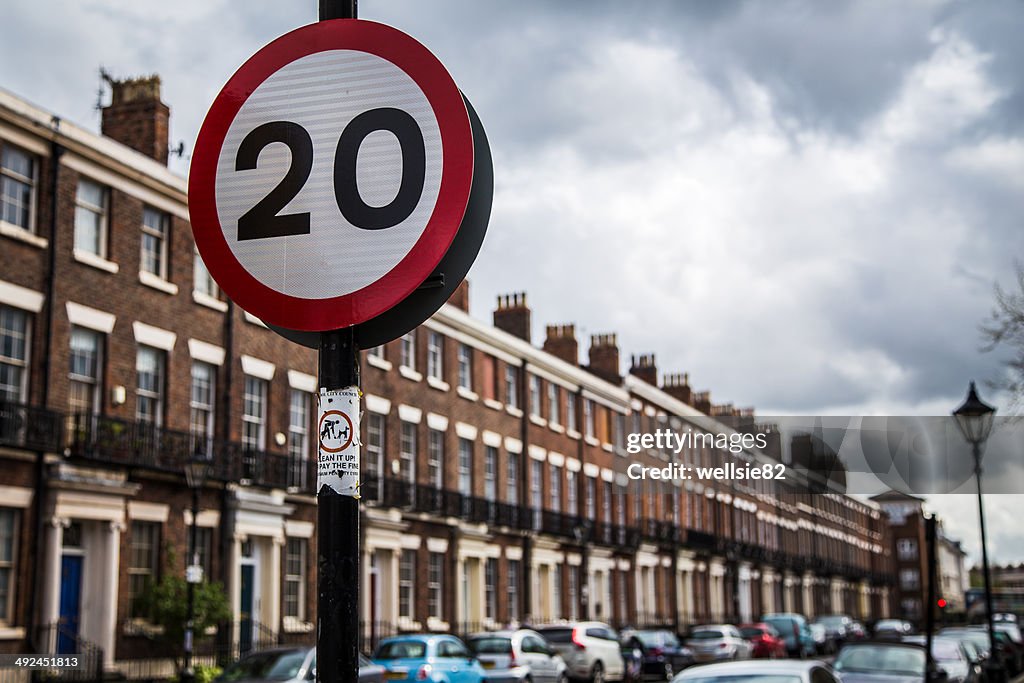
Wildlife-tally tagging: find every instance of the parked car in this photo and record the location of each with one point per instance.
(953, 657)
(765, 640)
(820, 635)
(288, 665)
(838, 628)
(893, 627)
(794, 630)
(881, 662)
(975, 642)
(1013, 652)
(590, 649)
(662, 654)
(517, 656)
(760, 671)
(856, 631)
(1004, 617)
(440, 658)
(718, 642)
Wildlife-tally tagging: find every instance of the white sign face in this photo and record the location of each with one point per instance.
(337, 465)
(335, 257)
(331, 175)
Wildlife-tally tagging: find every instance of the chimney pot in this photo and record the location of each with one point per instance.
(513, 316)
(136, 117)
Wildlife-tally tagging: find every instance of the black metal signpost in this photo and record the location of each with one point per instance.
(337, 521)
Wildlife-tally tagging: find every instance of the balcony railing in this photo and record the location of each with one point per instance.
(146, 446)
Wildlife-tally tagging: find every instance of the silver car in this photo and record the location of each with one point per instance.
(590, 649)
(288, 665)
(719, 642)
(760, 671)
(517, 656)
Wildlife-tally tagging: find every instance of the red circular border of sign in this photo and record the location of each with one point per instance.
(320, 427)
(456, 177)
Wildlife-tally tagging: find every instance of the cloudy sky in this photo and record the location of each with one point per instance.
(803, 204)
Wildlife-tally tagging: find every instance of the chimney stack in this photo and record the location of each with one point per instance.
(643, 367)
(560, 341)
(460, 297)
(678, 387)
(136, 117)
(702, 401)
(513, 316)
(604, 357)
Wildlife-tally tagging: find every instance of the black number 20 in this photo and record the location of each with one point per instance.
(264, 219)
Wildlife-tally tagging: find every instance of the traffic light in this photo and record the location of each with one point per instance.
(941, 602)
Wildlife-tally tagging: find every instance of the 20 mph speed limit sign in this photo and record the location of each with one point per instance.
(331, 175)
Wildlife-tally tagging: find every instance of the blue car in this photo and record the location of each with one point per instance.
(794, 629)
(438, 658)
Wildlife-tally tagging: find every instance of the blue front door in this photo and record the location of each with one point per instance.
(245, 618)
(70, 601)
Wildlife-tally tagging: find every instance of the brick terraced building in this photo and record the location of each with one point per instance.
(494, 472)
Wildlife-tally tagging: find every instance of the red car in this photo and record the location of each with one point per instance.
(765, 639)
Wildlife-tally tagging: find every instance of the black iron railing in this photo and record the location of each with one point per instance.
(59, 639)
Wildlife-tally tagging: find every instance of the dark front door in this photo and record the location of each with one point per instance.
(245, 618)
(70, 601)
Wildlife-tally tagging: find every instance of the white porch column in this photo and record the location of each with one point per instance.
(51, 572)
(274, 612)
(110, 582)
(235, 587)
(688, 592)
(808, 591)
(744, 593)
(388, 581)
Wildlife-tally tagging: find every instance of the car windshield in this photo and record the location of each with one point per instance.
(782, 625)
(656, 638)
(943, 649)
(744, 678)
(707, 634)
(266, 666)
(401, 649)
(831, 621)
(886, 624)
(751, 632)
(881, 659)
(490, 645)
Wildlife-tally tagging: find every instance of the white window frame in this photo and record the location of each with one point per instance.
(491, 456)
(553, 403)
(535, 396)
(18, 365)
(204, 409)
(512, 386)
(435, 355)
(491, 588)
(572, 502)
(103, 211)
(407, 451)
(435, 585)
(906, 549)
(465, 466)
(257, 421)
(32, 181)
(555, 487)
(295, 581)
(408, 348)
(376, 424)
(298, 434)
(10, 567)
(158, 395)
(570, 412)
(95, 381)
(465, 361)
(512, 580)
(161, 233)
(407, 584)
(435, 458)
(152, 570)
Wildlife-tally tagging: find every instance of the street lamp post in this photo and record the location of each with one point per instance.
(196, 471)
(975, 419)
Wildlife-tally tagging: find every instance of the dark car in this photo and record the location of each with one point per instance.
(838, 628)
(662, 654)
(881, 662)
(288, 665)
(956, 658)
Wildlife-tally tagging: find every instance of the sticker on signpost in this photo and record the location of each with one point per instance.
(337, 465)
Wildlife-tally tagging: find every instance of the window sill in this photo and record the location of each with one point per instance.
(608, 447)
(378, 362)
(23, 235)
(438, 383)
(95, 261)
(408, 373)
(467, 394)
(209, 301)
(538, 420)
(142, 627)
(555, 427)
(435, 624)
(296, 625)
(572, 434)
(157, 282)
(513, 411)
(12, 632)
(592, 441)
(492, 404)
(407, 624)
